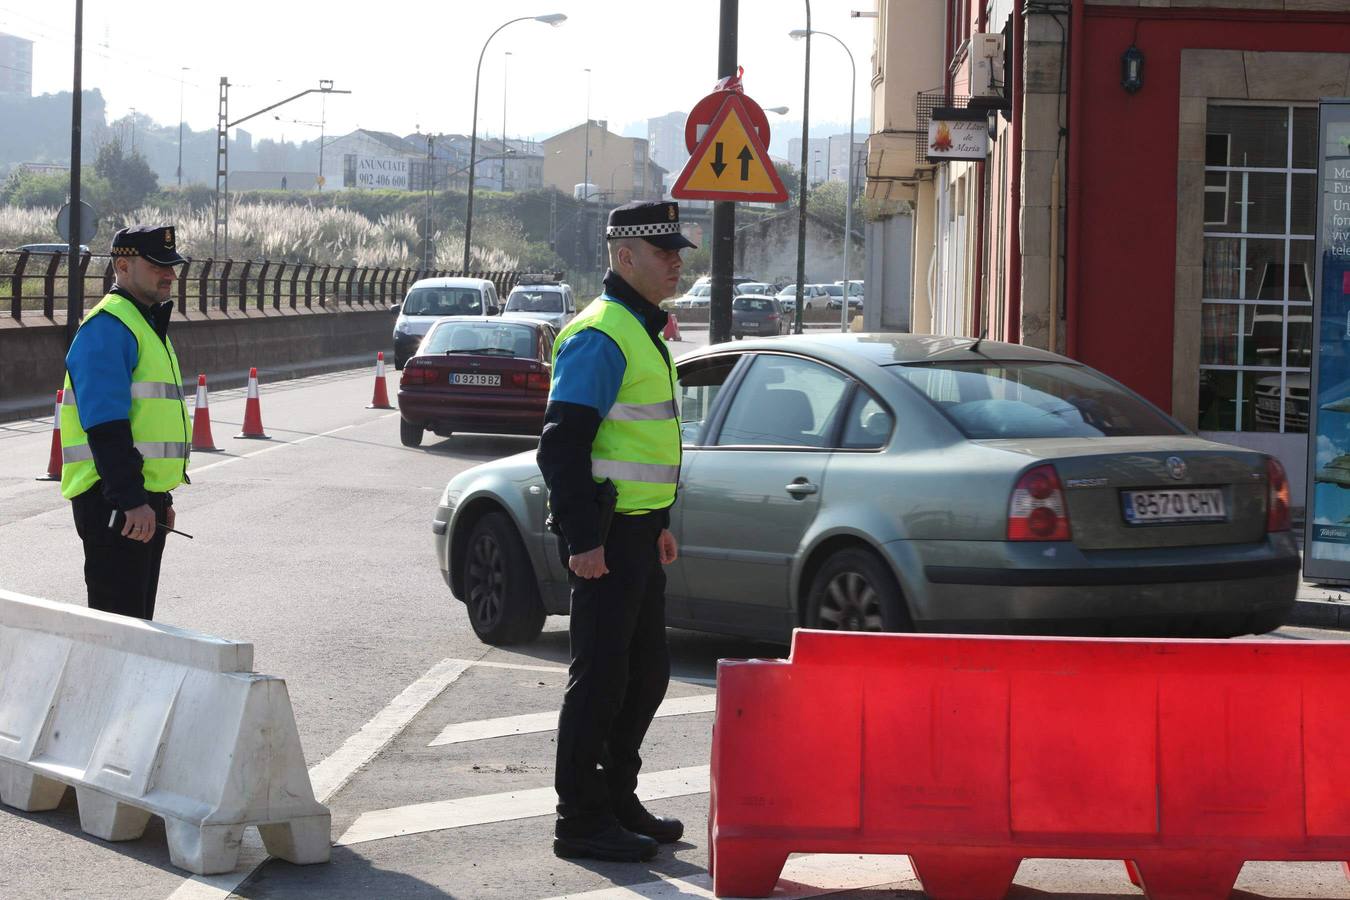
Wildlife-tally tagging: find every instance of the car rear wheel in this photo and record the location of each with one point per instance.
(499, 587)
(855, 591)
(410, 433)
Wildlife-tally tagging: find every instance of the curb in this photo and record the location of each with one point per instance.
(1320, 614)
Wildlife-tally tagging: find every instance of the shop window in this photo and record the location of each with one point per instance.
(1256, 317)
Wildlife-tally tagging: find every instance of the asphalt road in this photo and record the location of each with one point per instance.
(316, 546)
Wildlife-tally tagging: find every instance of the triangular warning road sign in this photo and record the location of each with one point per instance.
(730, 163)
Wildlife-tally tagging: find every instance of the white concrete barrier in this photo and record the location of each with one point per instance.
(145, 719)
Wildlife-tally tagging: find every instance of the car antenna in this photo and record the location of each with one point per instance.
(975, 347)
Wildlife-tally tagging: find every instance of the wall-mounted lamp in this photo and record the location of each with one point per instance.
(1132, 69)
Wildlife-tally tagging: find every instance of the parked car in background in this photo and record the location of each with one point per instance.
(51, 248)
(756, 315)
(835, 297)
(478, 374)
(814, 296)
(899, 482)
(431, 299)
(698, 297)
(754, 287)
(548, 301)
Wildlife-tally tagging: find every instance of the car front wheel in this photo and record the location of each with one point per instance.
(499, 587)
(856, 591)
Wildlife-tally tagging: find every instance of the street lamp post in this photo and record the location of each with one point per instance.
(181, 70)
(553, 19)
(586, 156)
(848, 191)
(801, 178)
(506, 58)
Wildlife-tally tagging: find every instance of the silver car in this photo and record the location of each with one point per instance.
(896, 482)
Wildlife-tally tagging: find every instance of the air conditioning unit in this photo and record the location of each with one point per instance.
(986, 68)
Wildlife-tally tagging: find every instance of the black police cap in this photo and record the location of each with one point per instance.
(655, 221)
(156, 243)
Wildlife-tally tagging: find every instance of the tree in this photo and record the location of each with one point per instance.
(129, 177)
(791, 178)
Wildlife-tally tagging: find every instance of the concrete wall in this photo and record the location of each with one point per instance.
(768, 250)
(220, 345)
(890, 244)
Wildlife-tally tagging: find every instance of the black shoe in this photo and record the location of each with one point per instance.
(615, 843)
(662, 829)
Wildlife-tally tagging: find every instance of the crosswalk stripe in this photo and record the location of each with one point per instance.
(487, 808)
(815, 875)
(533, 723)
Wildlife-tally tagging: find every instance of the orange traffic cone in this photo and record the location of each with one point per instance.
(380, 400)
(201, 421)
(54, 460)
(253, 427)
(672, 331)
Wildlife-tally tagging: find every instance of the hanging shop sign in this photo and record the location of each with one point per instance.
(958, 134)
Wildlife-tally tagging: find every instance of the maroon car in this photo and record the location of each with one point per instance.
(477, 373)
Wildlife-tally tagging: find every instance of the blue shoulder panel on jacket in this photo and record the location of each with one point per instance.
(588, 371)
(100, 362)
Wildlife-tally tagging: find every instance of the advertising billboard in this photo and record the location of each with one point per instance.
(381, 172)
(1326, 555)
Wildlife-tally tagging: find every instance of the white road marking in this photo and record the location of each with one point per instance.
(272, 448)
(481, 810)
(331, 774)
(815, 875)
(533, 723)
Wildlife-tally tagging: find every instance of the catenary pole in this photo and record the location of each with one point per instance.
(75, 284)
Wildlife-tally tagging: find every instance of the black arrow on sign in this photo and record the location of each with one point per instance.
(717, 164)
(745, 156)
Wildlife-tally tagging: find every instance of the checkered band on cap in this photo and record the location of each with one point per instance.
(624, 231)
(125, 251)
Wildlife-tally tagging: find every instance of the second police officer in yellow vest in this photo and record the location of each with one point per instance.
(125, 432)
(610, 455)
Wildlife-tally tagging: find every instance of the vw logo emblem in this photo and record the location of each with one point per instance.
(1176, 467)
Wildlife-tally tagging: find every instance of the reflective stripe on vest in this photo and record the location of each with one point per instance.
(651, 473)
(153, 390)
(160, 428)
(147, 449)
(639, 412)
(637, 445)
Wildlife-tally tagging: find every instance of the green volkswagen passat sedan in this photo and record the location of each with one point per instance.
(899, 482)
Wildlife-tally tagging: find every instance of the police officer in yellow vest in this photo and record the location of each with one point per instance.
(610, 455)
(125, 432)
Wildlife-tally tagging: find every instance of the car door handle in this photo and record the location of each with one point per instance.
(800, 488)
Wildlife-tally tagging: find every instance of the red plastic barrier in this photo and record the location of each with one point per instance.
(1184, 758)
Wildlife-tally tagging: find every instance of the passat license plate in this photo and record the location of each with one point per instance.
(1174, 505)
(475, 378)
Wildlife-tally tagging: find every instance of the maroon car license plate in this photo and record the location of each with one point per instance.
(475, 378)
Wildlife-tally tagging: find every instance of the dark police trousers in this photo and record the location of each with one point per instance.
(618, 676)
(122, 575)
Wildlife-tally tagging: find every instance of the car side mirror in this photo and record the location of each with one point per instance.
(494, 310)
(395, 308)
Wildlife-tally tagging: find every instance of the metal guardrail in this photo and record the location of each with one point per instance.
(222, 284)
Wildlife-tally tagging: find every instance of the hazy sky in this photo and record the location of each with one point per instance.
(410, 64)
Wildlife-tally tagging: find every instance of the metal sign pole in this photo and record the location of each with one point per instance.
(724, 211)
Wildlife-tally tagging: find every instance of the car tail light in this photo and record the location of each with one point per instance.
(1037, 511)
(415, 375)
(1277, 508)
(773, 317)
(530, 381)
